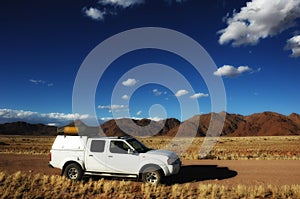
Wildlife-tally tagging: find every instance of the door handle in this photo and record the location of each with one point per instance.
(91, 155)
(110, 156)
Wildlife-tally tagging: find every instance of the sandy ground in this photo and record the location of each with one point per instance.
(227, 172)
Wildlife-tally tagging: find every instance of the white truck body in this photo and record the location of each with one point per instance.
(112, 156)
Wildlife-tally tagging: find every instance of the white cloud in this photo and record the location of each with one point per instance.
(129, 3)
(10, 115)
(258, 20)
(181, 93)
(139, 112)
(230, 71)
(156, 92)
(125, 97)
(39, 81)
(35, 81)
(157, 119)
(106, 8)
(52, 124)
(94, 13)
(198, 95)
(106, 118)
(121, 3)
(130, 82)
(114, 107)
(64, 116)
(293, 44)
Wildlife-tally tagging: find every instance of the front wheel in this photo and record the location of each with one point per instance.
(151, 175)
(73, 171)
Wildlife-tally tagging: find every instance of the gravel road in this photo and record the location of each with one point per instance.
(227, 172)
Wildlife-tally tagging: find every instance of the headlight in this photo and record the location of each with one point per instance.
(171, 161)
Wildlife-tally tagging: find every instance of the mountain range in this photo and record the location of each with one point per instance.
(258, 124)
(24, 128)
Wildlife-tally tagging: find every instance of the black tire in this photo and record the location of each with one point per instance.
(73, 171)
(151, 175)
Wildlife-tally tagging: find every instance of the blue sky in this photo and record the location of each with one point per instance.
(254, 44)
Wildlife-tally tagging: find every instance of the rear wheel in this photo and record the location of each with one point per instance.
(151, 175)
(73, 171)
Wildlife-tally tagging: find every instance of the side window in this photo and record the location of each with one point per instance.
(118, 147)
(97, 146)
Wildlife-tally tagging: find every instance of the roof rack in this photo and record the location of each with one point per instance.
(120, 137)
(74, 131)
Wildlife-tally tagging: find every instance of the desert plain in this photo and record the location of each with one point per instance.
(236, 167)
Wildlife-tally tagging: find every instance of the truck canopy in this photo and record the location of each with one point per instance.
(70, 142)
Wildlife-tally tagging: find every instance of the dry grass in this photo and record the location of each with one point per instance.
(24, 185)
(236, 148)
(227, 148)
(19, 185)
(34, 145)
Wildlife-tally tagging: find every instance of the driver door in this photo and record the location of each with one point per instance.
(119, 160)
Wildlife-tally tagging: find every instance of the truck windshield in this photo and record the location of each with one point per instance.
(138, 146)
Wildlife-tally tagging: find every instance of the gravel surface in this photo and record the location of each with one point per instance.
(227, 172)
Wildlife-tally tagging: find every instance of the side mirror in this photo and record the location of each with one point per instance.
(130, 151)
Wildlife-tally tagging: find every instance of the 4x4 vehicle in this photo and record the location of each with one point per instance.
(111, 156)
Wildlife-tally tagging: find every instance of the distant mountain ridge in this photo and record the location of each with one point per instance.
(258, 124)
(24, 128)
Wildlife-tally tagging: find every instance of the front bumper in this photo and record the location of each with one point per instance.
(174, 168)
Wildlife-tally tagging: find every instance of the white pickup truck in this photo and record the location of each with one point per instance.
(111, 156)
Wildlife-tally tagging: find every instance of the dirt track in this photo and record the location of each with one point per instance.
(228, 172)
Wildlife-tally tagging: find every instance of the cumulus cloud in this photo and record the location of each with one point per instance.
(121, 3)
(114, 107)
(94, 13)
(157, 119)
(129, 82)
(106, 8)
(258, 20)
(180, 93)
(129, 3)
(198, 95)
(230, 71)
(156, 92)
(125, 97)
(293, 44)
(10, 115)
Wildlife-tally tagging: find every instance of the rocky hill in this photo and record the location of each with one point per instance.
(23, 128)
(259, 124)
(199, 124)
(144, 127)
(268, 124)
